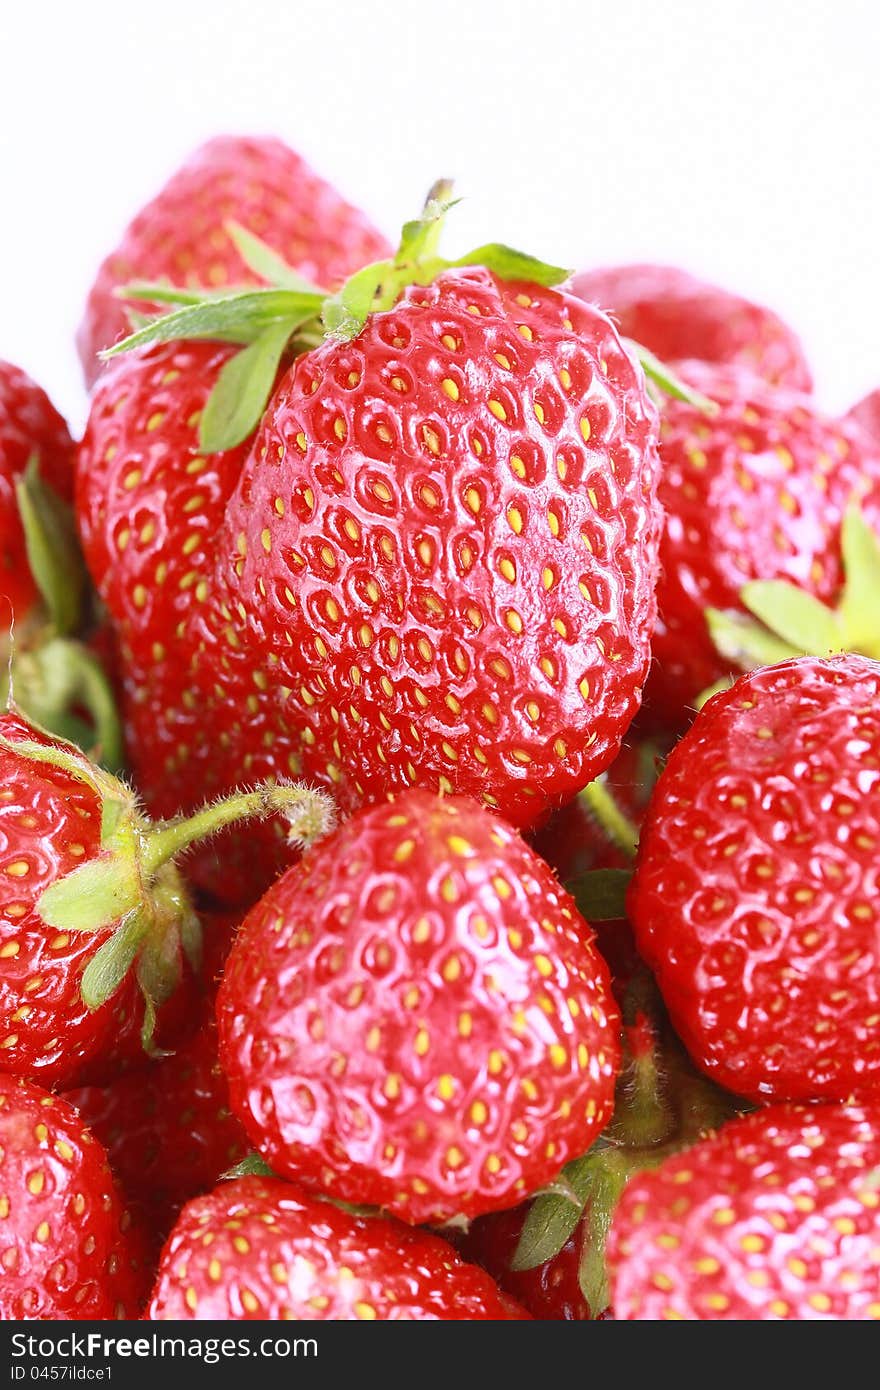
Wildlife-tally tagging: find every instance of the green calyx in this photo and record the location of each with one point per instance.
(662, 1106)
(783, 621)
(49, 673)
(290, 315)
(132, 886)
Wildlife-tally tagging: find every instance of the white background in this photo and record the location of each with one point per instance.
(742, 141)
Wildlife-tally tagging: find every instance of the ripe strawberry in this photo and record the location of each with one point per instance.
(755, 896)
(96, 930)
(66, 1249)
(445, 577)
(257, 1248)
(167, 1129)
(678, 316)
(757, 492)
(180, 235)
(776, 1216)
(415, 1017)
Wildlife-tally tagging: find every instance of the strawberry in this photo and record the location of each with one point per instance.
(181, 236)
(458, 592)
(678, 316)
(96, 930)
(66, 1247)
(776, 1216)
(415, 1017)
(755, 896)
(257, 1248)
(756, 493)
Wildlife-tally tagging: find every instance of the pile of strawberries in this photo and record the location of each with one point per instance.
(395, 618)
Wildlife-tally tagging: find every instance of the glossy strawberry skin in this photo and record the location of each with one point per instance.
(66, 1249)
(50, 825)
(677, 316)
(278, 1253)
(415, 1016)
(29, 425)
(179, 235)
(756, 492)
(755, 896)
(775, 1217)
(445, 582)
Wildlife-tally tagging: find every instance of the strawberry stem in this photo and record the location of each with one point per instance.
(309, 814)
(598, 801)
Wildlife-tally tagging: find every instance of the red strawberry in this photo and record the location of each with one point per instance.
(96, 931)
(445, 575)
(415, 1017)
(167, 1129)
(257, 1248)
(678, 316)
(757, 492)
(755, 897)
(777, 1216)
(29, 427)
(180, 236)
(66, 1250)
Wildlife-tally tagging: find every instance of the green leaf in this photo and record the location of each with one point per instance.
(420, 238)
(112, 961)
(236, 404)
(600, 894)
(859, 607)
(670, 384)
(509, 264)
(238, 317)
(794, 615)
(345, 313)
(52, 549)
(266, 263)
(745, 643)
(253, 1166)
(163, 292)
(97, 894)
(553, 1216)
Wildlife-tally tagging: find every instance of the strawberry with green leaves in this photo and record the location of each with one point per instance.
(678, 316)
(67, 1246)
(97, 935)
(755, 896)
(756, 498)
(775, 1217)
(257, 1248)
(415, 1016)
(181, 235)
(438, 565)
